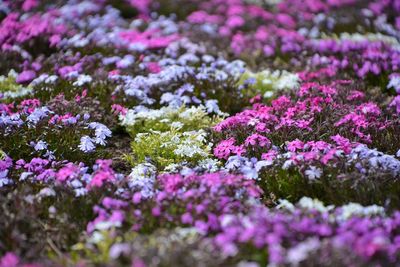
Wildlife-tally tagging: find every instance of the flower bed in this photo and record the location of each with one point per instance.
(199, 133)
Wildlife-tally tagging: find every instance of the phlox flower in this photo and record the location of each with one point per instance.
(86, 144)
(313, 173)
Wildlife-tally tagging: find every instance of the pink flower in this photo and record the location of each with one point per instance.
(142, 5)
(99, 178)
(257, 139)
(224, 149)
(156, 211)
(268, 50)
(355, 95)
(261, 34)
(286, 20)
(67, 172)
(238, 43)
(114, 73)
(153, 67)
(262, 127)
(187, 218)
(256, 99)
(29, 4)
(319, 145)
(152, 39)
(239, 150)
(117, 216)
(270, 155)
(295, 145)
(304, 124)
(281, 102)
(55, 39)
(353, 118)
(235, 21)
(343, 143)
(309, 156)
(9, 260)
(137, 197)
(118, 109)
(369, 109)
(138, 263)
(64, 71)
(330, 155)
(200, 17)
(103, 174)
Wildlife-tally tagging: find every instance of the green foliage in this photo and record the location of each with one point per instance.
(170, 147)
(169, 135)
(62, 141)
(268, 83)
(10, 89)
(35, 224)
(164, 247)
(167, 118)
(291, 184)
(98, 90)
(3, 155)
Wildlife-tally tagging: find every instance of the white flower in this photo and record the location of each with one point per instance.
(51, 79)
(287, 80)
(394, 83)
(38, 114)
(47, 192)
(212, 106)
(97, 236)
(268, 94)
(177, 125)
(101, 132)
(172, 168)
(76, 183)
(22, 91)
(41, 145)
(286, 165)
(86, 144)
(4, 181)
(313, 173)
(80, 191)
(300, 252)
(25, 175)
(211, 165)
(285, 204)
(188, 149)
(263, 163)
(227, 220)
(142, 178)
(353, 209)
(192, 112)
(82, 79)
(126, 61)
(314, 204)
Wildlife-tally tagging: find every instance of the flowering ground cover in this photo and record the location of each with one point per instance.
(199, 133)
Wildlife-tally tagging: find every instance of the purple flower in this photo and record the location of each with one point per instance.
(26, 76)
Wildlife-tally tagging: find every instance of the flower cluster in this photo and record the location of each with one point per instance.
(177, 199)
(30, 127)
(199, 133)
(267, 82)
(295, 234)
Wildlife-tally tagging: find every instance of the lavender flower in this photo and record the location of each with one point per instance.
(86, 144)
